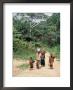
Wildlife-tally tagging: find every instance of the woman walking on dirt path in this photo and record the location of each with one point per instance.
(42, 58)
(38, 54)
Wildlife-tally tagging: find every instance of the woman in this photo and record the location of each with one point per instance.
(38, 59)
(43, 58)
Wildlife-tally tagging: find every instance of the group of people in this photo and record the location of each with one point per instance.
(40, 59)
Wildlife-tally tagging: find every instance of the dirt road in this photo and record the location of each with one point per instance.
(42, 72)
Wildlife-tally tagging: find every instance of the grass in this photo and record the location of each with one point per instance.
(55, 50)
(26, 53)
(23, 66)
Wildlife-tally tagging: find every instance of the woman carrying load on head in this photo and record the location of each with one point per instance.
(42, 58)
(38, 54)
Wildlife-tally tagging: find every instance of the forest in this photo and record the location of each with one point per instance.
(32, 30)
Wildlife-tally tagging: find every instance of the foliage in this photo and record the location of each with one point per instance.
(23, 66)
(33, 29)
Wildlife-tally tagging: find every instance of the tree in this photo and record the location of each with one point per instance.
(43, 28)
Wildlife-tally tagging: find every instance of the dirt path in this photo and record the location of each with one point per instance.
(43, 71)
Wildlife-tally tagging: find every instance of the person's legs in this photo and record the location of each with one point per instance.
(51, 66)
(31, 66)
(37, 64)
(42, 62)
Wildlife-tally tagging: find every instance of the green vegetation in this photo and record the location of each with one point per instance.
(24, 54)
(55, 50)
(23, 66)
(31, 30)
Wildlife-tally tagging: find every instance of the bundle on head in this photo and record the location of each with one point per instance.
(43, 52)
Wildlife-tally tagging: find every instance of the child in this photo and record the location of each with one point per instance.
(43, 58)
(31, 63)
(51, 61)
(37, 64)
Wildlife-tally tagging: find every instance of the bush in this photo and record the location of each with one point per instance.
(55, 50)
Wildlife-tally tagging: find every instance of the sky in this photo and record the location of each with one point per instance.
(49, 14)
(36, 20)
